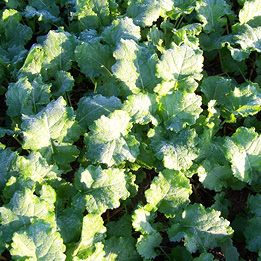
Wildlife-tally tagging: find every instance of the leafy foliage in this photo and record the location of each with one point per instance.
(130, 130)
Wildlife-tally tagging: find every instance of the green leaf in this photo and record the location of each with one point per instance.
(53, 123)
(42, 15)
(45, 10)
(252, 233)
(38, 242)
(181, 66)
(177, 151)
(59, 52)
(201, 228)
(141, 107)
(14, 35)
(122, 28)
(144, 13)
(146, 245)
(63, 154)
(222, 204)
(33, 63)
(93, 231)
(70, 231)
(212, 14)
(35, 168)
(18, 213)
(27, 98)
(213, 175)
(250, 10)
(103, 188)
(183, 7)
(179, 110)
(254, 204)
(180, 253)
(142, 219)
(234, 100)
(204, 257)
(243, 151)
(120, 228)
(92, 108)
(56, 54)
(188, 35)
(7, 157)
(108, 141)
(95, 59)
(122, 247)
(169, 192)
(51, 131)
(248, 38)
(63, 83)
(135, 66)
(93, 14)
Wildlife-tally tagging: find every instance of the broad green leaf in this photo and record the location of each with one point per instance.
(252, 233)
(119, 239)
(135, 66)
(62, 154)
(183, 7)
(70, 231)
(103, 188)
(92, 108)
(250, 10)
(93, 231)
(215, 176)
(181, 66)
(204, 257)
(122, 247)
(55, 54)
(145, 12)
(53, 123)
(243, 151)
(59, 52)
(123, 28)
(45, 10)
(108, 141)
(63, 83)
(14, 35)
(38, 242)
(180, 253)
(27, 98)
(214, 169)
(177, 151)
(33, 63)
(179, 110)
(247, 38)
(141, 107)
(188, 35)
(18, 213)
(201, 228)
(146, 245)
(7, 157)
(254, 204)
(42, 15)
(92, 14)
(120, 228)
(212, 13)
(142, 219)
(231, 66)
(222, 204)
(169, 192)
(35, 168)
(234, 100)
(95, 59)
